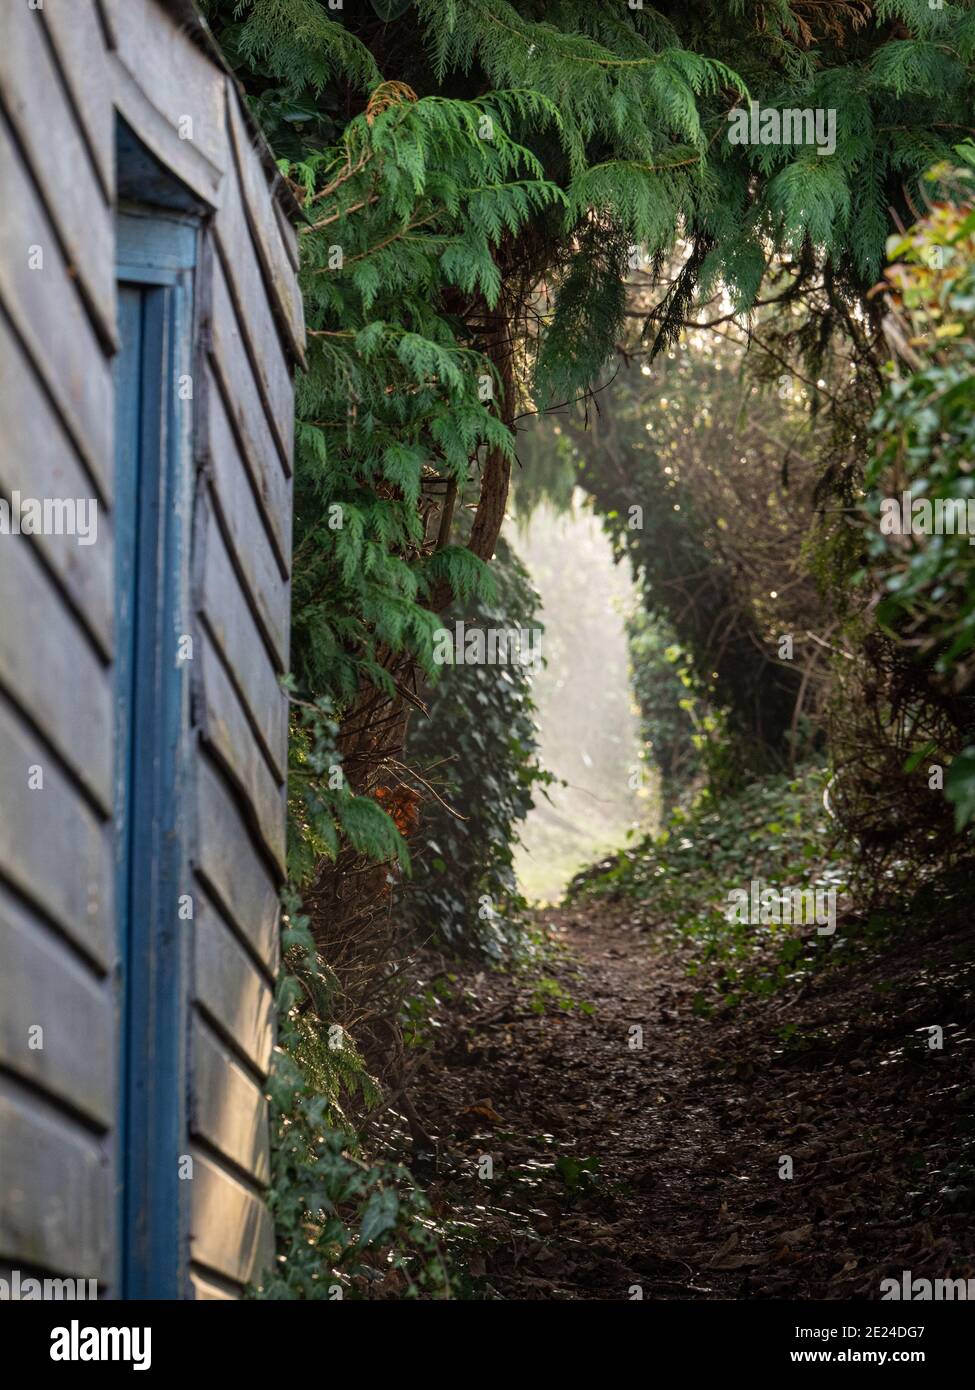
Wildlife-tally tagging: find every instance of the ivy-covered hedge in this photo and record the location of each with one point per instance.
(478, 747)
(924, 584)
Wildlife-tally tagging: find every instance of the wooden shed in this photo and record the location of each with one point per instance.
(150, 325)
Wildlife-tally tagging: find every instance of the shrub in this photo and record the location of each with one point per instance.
(478, 746)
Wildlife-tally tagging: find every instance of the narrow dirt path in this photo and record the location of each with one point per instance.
(659, 1171)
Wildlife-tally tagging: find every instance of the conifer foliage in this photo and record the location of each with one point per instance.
(475, 177)
(475, 174)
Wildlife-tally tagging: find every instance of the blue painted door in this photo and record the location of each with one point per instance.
(155, 260)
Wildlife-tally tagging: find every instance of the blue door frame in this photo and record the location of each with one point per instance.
(156, 256)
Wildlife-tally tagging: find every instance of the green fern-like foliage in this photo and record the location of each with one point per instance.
(470, 163)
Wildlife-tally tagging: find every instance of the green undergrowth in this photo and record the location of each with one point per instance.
(776, 830)
(348, 1224)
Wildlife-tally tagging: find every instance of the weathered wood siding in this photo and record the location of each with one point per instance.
(58, 1040)
(68, 71)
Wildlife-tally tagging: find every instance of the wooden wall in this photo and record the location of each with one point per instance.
(66, 72)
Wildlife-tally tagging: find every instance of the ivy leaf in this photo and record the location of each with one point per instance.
(379, 1215)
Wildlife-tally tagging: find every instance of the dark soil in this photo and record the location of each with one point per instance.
(655, 1172)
